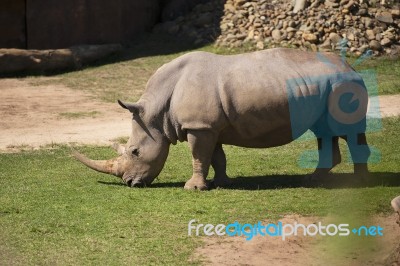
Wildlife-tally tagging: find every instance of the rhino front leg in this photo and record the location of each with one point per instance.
(218, 162)
(202, 144)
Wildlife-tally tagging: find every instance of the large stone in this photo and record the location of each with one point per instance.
(386, 42)
(334, 38)
(250, 35)
(260, 45)
(223, 27)
(370, 34)
(367, 22)
(326, 46)
(385, 17)
(276, 35)
(375, 45)
(330, 4)
(310, 37)
(362, 12)
(229, 7)
(395, 13)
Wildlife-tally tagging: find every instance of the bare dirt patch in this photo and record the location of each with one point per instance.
(298, 250)
(40, 115)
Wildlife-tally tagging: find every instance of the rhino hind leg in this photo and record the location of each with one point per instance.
(329, 156)
(360, 153)
(218, 162)
(202, 144)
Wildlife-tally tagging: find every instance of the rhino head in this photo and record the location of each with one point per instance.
(144, 155)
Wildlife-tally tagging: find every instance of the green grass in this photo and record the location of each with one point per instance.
(77, 115)
(387, 71)
(53, 210)
(125, 76)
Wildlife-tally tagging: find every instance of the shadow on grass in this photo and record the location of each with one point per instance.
(331, 181)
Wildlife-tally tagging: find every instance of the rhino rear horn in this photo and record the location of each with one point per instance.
(134, 108)
(114, 166)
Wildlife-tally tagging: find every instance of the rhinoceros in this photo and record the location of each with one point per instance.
(257, 100)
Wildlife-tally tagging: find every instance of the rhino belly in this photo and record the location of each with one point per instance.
(254, 130)
(265, 139)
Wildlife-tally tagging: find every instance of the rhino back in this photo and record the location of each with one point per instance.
(244, 97)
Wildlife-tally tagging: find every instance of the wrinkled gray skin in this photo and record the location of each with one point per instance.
(209, 100)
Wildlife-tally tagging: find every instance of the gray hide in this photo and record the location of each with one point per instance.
(243, 100)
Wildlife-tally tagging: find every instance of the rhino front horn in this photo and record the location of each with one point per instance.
(114, 166)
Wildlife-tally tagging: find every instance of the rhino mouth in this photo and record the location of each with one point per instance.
(135, 183)
(136, 180)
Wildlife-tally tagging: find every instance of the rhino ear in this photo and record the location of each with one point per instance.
(134, 108)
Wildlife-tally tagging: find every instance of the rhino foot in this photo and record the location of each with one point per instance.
(221, 181)
(196, 183)
(318, 174)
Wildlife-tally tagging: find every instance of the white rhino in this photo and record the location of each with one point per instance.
(257, 100)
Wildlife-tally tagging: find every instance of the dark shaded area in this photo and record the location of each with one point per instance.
(60, 24)
(172, 9)
(12, 24)
(49, 24)
(331, 181)
(90, 28)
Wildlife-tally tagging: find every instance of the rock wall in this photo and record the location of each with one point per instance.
(323, 25)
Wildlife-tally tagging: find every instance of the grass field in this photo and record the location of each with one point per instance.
(54, 210)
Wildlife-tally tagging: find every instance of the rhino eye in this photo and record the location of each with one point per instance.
(135, 152)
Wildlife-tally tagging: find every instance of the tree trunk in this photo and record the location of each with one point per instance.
(17, 60)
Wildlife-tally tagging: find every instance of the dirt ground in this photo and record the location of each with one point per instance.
(36, 116)
(299, 250)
